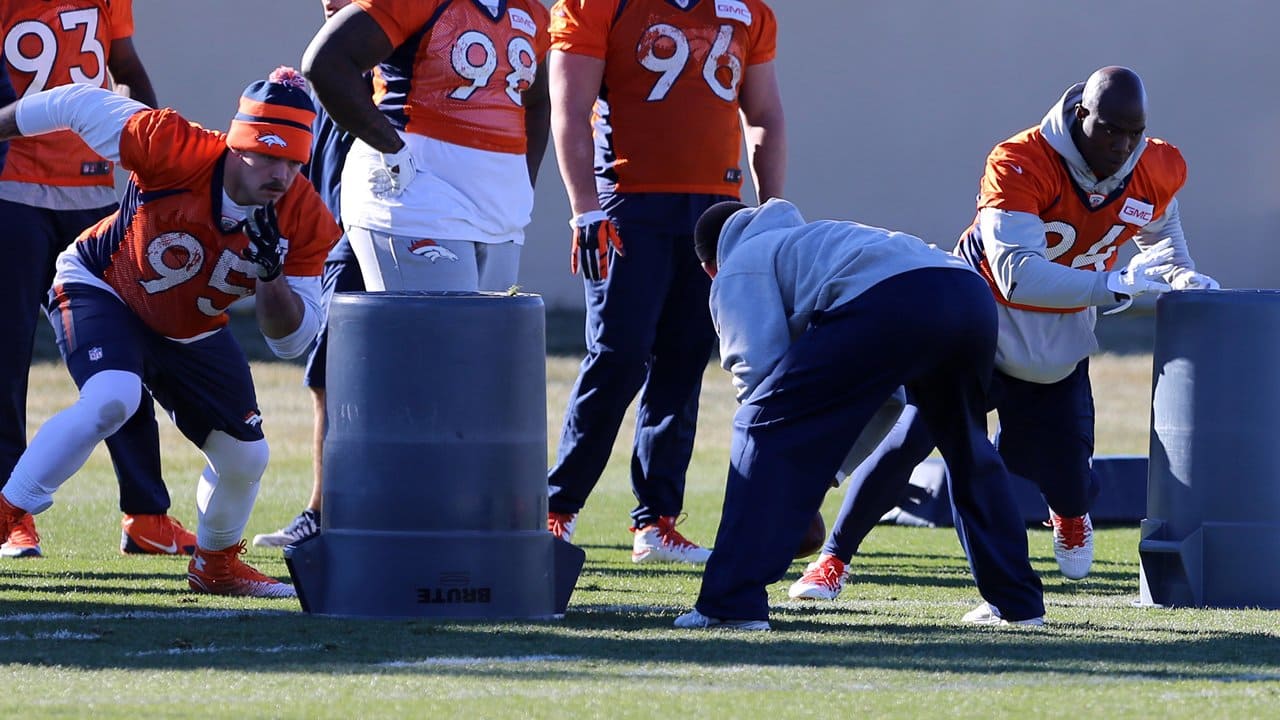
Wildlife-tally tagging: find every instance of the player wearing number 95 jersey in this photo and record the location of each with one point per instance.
(650, 102)
(1056, 202)
(52, 187)
(438, 186)
(141, 297)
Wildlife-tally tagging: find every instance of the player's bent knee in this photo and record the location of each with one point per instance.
(237, 460)
(114, 396)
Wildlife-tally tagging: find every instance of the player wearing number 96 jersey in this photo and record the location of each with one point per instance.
(141, 297)
(438, 186)
(650, 102)
(1056, 202)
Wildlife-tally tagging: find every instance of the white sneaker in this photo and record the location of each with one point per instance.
(562, 524)
(661, 542)
(306, 524)
(694, 620)
(822, 580)
(987, 614)
(1072, 544)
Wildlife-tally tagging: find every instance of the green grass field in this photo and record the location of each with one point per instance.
(88, 632)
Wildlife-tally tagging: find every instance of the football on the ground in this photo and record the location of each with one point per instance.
(814, 537)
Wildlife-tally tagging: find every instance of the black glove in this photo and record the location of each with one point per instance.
(264, 242)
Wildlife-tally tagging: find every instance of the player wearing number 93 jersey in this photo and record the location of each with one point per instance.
(651, 100)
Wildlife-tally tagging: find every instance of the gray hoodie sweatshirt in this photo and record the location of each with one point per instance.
(776, 270)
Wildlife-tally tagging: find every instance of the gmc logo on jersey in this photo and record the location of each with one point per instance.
(733, 10)
(1136, 212)
(522, 21)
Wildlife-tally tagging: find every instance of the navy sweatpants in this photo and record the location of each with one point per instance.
(933, 330)
(35, 238)
(649, 331)
(1046, 436)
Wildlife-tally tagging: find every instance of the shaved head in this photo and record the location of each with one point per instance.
(1110, 119)
(1115, 90)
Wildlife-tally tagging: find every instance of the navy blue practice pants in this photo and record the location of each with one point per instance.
(1046, 436)
(341, 274)
(649, 331)
(34, 238)
(932, 330)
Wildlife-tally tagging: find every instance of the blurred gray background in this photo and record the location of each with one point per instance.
(892, 106)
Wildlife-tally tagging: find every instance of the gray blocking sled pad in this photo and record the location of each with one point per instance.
(1211, 536)
(435, 491)
(1121, 479)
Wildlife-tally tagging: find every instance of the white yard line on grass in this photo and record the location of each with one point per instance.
(467, 661)
(214, 649)
(140, 615)
(55, 635)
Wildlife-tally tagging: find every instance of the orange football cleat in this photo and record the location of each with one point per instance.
(155, 535)
(220, 572)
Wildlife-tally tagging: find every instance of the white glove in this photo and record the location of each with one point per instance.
(1192, 280)
(395, 174)
(1144, 273)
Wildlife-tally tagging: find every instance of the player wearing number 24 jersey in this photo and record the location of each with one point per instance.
(651, 100)
(438, 186)
(1056, 202)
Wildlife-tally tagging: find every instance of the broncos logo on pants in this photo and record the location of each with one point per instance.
(432, 250)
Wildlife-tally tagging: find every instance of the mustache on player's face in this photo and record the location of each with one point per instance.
(273, 186)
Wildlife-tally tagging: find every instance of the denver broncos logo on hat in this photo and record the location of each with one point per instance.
(273, 140)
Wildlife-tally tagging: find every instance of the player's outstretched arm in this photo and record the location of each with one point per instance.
(98, 116)
(348, 45)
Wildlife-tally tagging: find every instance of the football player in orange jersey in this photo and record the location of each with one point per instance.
(141, 297)
(54, 187)
(1056, 203)
(438, 187)
(651, 100)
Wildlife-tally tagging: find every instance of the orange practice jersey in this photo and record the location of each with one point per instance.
(1025, 174)
(459, 71)
(48, 44)
(667, 116)
(165, 251)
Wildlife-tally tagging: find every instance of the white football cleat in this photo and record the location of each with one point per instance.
(694, 620)
(661, 542)
(823, 579)
(987, 614)
(1072, 544)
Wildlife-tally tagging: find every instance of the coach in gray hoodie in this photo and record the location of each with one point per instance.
(819, 323)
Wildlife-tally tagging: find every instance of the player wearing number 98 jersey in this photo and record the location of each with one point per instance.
(650, 102)
(438, 186)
